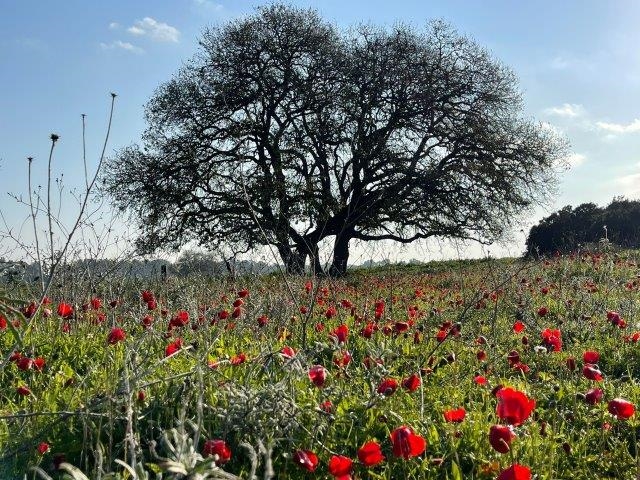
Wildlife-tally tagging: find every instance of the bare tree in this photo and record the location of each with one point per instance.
(284, 131)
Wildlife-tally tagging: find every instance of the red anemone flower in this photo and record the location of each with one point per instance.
(455, 415)
(515, 472)
(513, 407)
(340, 332)
(500, 437)
(43, 447)
(173, 347)
(217, 447)
(23, 391)
(388, 386)
(590, 356)
(65, 310)
(318, 375)
(593, 396)
(407, 444)
(518, 327)
(306, 459)
(287, 352)
(340, 466)
(370, 454)
(411, 383)
(116, 335)
(621, 408)
(591, 372)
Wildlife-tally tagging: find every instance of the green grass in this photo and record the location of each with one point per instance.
(85, 402)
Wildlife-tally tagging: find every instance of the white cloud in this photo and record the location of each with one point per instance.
(628, 185)
(575, 159)
(118, 44)
(570, 110)
(208, 4)
(158, 31)
(620, 128)
(629, 180)
(114, 26)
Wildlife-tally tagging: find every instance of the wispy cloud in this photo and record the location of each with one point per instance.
(209, 4)
(575, 159)
(628, 185)
(157, 31)
(619, 128)
(570, 110)
(118, 44)
(114, 26)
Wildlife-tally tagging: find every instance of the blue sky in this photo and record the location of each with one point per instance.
(577, 61)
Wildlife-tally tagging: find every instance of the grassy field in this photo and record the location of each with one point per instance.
(476, 370)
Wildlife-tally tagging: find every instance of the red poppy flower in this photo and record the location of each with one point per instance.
(552, 339)
(621, 408)
(480, 380)
(340, 332)
(441, 336)
(173, 347)
(223, 314)
(342, 359)
(180, 319)
(513, 357)
(3, 322)
(326, 406)
(593, 396)
(65, 310)
(238, 302)
(500, 437)
(590, 356)
(318, 375)
(518, 326)
(481, 355)
(513, 407)
(244, 293)
(346, 304)
(306, 459)
(591, 372)
(217, 447)
(24, 363)
(542, 311)
(263, 320)
(237, 312)
(370, 454)
(147, 296)
(340, 466)
(43, 447)
(515, 472)
(407, 444)
(30, 310)
(455, 415)
(411, 383)
(331, 312)
(238, 359)
(388, 386)
(23, 391)
(39, 363)
(116, 335)
(287, 352)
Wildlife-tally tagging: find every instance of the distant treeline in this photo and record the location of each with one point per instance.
(570, 229)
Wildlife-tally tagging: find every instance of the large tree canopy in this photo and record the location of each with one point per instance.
(284, 131)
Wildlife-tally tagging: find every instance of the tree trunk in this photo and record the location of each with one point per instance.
(293, 260)
(340, 254)
(316, 265)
